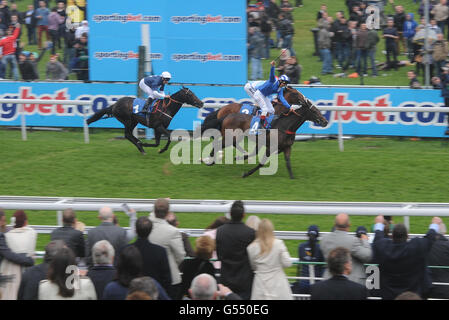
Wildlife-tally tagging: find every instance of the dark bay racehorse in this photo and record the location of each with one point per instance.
(162, 114)
(287, 124)
(212, 119)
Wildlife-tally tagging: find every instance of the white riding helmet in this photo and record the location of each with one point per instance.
(166, 75)
(284, 78)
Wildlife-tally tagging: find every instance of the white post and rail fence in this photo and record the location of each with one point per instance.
(338, 109)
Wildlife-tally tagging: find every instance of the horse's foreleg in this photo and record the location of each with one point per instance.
(261, 163)
(129, 135)
(167, 133)
(287, 153)
(157, 137)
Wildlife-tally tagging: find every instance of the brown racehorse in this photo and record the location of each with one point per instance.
(287, 124)
(212, 120)
(163, 112)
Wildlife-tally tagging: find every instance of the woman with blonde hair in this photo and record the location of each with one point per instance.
(268, 257)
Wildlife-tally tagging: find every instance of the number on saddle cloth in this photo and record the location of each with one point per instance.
(249, 108)
(255, 124)
(138, 105)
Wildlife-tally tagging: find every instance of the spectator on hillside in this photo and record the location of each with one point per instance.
(26, 68)
(323, 9)
(268, 257)
(390, 34)
(409, 31)
(286, 32)
(439, 256)
(356, 15)
(8, 45)
(41, 15)
(56, 288)
(352, 27)
(373, 39)
(273, 11)
(69, 47)
(35, 58)
(105, 231)
(292, 69)
(74, 239)
(441, 14)
(4, 11)
(211, 231)
(436, 83)
(82, 29)
(360, 247)
(343, 41)
(54, 20)
(414, 83)
(81, 65)
(402, 263)
(361, 44)
(204, 247)
(324, 44)
(440, 53)
(434, 27)
(155, 259)
(21, 239)
(102, 272)
(256, 46)
(265, 29)
(232, 240)
(339, 287)
(60, 9)
(29, 285)
(30, 23)
(287, 10)
(55, 69)
(399, 20)
(309, 251)
(170, 238)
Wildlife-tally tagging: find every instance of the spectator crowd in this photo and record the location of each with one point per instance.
(152, 260)
(53, 26)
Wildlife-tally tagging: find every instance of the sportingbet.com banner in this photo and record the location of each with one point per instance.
(419, 124)
(199, 41)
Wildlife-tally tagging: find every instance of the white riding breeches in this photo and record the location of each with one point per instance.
(263, 102)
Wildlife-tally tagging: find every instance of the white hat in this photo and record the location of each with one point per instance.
(166, 75)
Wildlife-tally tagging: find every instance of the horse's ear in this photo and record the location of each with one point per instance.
(183, 88)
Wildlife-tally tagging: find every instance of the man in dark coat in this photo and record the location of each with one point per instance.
(74, 239)
(232, 240)
(402, 263)
(155, 260)
(339, 287)
(29, 284)
(439, 256)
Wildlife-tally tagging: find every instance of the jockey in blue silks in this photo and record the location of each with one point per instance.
(154, 87)
(261, 92)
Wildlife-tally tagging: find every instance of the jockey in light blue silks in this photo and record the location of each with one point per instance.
(261, 92)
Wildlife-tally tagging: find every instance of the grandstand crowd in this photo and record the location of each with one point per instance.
(56, 28)
(237, 258)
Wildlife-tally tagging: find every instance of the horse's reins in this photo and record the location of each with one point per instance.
(165, 106)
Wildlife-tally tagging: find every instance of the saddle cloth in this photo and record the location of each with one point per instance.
(138, 105)
(255, 124)
(249, 108)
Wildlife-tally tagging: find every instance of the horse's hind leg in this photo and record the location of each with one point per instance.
(287, 153)
(167, 133)
(157, 137)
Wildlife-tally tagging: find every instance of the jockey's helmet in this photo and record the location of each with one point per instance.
(284, 78)
(166, 75)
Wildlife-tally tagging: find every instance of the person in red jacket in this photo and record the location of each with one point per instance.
(9, 45)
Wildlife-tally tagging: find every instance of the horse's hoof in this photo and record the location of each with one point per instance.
(244, 175)
(208, 161)
(161, 150)
(144, 153)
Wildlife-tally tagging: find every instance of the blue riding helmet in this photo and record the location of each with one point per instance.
(284, 78)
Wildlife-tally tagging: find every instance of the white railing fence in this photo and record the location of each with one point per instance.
(338, 109)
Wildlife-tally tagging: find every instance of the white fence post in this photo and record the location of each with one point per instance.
(86, 128)
(23, 127)
(340, 132)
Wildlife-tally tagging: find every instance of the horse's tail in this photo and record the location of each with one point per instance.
(211, 121)
(99, 114)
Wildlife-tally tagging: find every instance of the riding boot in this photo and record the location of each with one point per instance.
(146, 108)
